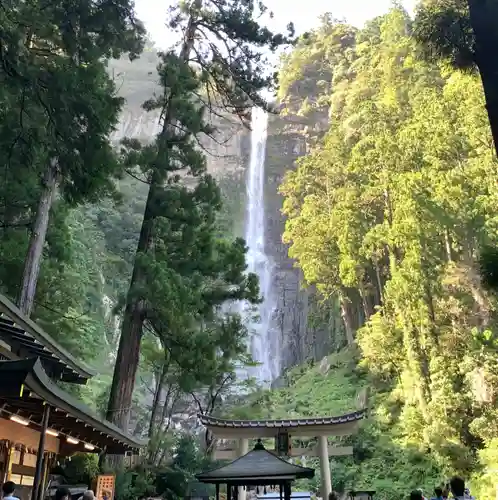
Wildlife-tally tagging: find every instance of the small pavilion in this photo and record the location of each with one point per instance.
(257, 468)
(241, 431)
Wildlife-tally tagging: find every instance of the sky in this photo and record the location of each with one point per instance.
(303, 13)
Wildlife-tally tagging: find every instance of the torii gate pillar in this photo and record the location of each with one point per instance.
(323, 452)
(243, 449)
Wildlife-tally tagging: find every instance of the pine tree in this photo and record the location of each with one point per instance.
(231, 72)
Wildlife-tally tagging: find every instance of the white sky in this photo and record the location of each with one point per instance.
(303, 13)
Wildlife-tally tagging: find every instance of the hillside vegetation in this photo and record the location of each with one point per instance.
(382, 459)
(393, 212)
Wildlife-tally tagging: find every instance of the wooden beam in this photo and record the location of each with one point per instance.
(334, 451)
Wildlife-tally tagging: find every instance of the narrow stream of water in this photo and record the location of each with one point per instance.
(264, 337)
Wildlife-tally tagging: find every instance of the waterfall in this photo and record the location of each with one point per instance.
(264, 337)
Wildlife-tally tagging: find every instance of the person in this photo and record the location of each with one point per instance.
(422, 493)
(468, 495)
(332, 496)
(416, 495)
(62, 493)
(438, 494)
(88, 495)
(8, 490)
(457, 486)
(446, 491)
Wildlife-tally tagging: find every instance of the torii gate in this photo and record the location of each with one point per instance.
(241, 431)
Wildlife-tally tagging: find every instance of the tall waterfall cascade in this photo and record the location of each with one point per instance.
(265, 342)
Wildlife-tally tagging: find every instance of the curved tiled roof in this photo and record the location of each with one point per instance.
(207, 420)
(258, 464)
(73, 416)
(16, 328)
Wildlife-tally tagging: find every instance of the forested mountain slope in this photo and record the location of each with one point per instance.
(389, 213)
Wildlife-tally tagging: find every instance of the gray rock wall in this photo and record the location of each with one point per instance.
(305, 332)
(310, 328)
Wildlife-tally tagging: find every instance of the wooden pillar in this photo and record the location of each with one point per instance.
(243, 449)
(287, 490)
(43, 481)
(323, 452)
(41, 451)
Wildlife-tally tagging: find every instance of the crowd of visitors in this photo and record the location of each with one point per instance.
(454, 489)
(9, 488)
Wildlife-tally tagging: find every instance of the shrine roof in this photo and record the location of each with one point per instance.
(288, 424)
(259, 466)
(26, 339)
(26, 388)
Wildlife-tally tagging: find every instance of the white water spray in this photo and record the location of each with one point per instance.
(264, 337)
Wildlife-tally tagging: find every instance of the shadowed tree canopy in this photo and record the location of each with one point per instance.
(464, 33)
(59, 105)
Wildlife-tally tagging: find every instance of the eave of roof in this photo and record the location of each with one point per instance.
(38, 338)
(214, 422)
(29, 372)
(257, 465)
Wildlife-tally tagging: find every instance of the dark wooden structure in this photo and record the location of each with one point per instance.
(283, 430)
(361, 495)
(38, 420)
(259, 467)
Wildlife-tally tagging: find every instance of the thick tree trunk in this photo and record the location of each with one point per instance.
(346, 313)
(34, 255)
(157, 398)
(125, 371)
(483, 20)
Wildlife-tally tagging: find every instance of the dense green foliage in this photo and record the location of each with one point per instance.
(58, 107)
(392, 218)
(182, 272)
(388, 212)
(99, 240)
(462, 33)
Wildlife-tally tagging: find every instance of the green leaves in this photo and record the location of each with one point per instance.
(387, 212)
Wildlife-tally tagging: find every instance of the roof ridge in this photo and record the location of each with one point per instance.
(357, 414)
(14, 314)
(256, 464)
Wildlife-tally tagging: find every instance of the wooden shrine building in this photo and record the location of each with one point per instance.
(38, 420)
(241, 431)
(257, 468)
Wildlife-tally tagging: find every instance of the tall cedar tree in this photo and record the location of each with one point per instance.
(393, 204)
(464, 31)
(61, 104)
(222, 53)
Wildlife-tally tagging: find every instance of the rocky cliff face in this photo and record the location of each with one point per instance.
(228, 160)
(309, 331)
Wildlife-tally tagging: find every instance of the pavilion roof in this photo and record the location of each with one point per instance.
(287, 424)
(26, 388)
(259, 466)
(27, 339)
